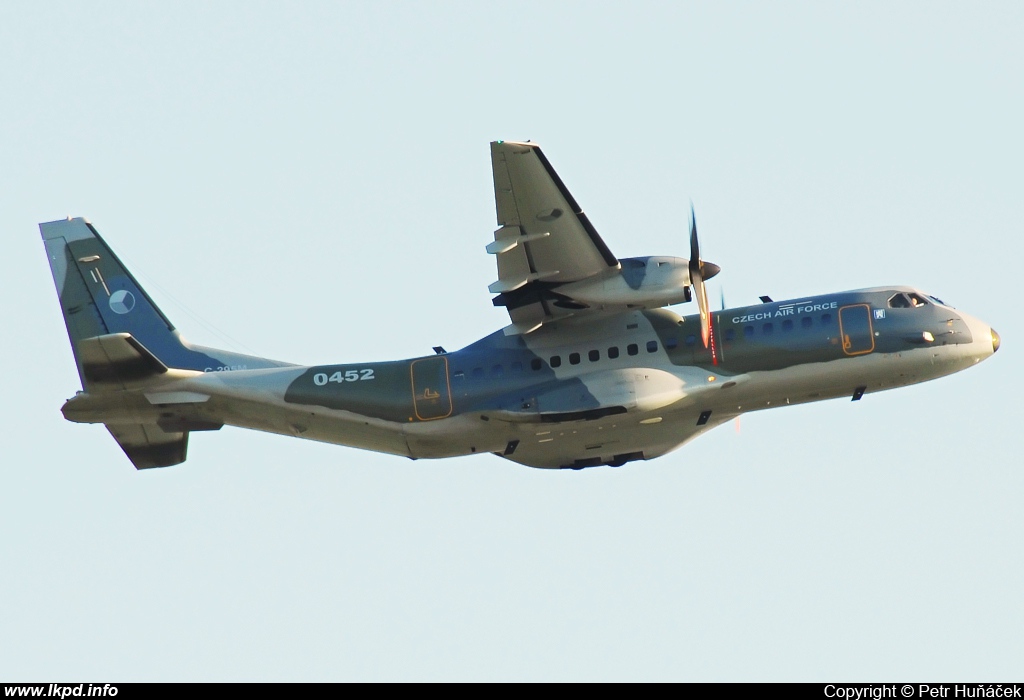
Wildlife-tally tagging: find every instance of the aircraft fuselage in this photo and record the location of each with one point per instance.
(588, 392)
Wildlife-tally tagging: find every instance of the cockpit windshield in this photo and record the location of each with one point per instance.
(909, 300)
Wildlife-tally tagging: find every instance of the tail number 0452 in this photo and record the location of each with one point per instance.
(351, 375)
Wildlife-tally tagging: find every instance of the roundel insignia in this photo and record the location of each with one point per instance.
(121, 301)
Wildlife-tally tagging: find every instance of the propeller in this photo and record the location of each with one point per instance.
(701, 271)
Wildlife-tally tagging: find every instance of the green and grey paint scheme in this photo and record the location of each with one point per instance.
(592, 370)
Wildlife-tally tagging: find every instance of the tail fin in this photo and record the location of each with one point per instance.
(99, 297)
(120, 338)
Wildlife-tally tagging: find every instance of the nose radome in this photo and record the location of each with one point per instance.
(985, 341)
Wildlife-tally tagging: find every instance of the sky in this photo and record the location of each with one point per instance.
(311, 182)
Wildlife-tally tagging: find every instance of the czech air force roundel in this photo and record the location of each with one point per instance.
(121, 302)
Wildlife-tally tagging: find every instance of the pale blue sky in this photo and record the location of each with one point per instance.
(312, 181)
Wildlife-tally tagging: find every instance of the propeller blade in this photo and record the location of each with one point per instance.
(694, 245)
(697, 280)
(701, 292)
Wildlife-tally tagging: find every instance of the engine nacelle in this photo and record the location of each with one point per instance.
(639, 283)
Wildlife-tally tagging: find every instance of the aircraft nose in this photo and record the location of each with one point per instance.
(985, 341)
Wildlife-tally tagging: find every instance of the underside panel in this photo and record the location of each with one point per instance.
(611, 440)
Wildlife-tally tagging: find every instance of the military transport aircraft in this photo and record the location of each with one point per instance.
(592, 370)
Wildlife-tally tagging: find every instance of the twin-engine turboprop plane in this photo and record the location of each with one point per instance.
(592, 370)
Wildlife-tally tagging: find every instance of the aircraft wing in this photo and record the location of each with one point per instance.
(544, 240)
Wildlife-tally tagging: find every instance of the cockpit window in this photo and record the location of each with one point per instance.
(937, 300)
(907, 301)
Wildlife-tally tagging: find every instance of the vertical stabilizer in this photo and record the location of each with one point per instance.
(97, 294)
(100, 297)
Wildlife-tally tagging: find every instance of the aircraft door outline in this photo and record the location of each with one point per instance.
(856, 330)
(431, 388)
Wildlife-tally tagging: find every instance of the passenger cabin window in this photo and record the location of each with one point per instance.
(748, 331)
(767, 329)
(691, 340)
(497, 371)
(826, 319)
(652, 346)
(556, 361)
(478, 373)
(536, 364)
(807, 322)
(574, 358)
(632, 349)
(613, 352)
(670, 342)
(730, 335)
(517, 366)
(594, 355)
(787, 325)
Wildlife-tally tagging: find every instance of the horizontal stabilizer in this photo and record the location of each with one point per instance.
(148, 446)
(117, 358)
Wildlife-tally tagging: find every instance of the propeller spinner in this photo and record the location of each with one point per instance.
(699, 272)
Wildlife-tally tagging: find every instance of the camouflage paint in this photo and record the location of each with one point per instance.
(585, 390)
(748, 344)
